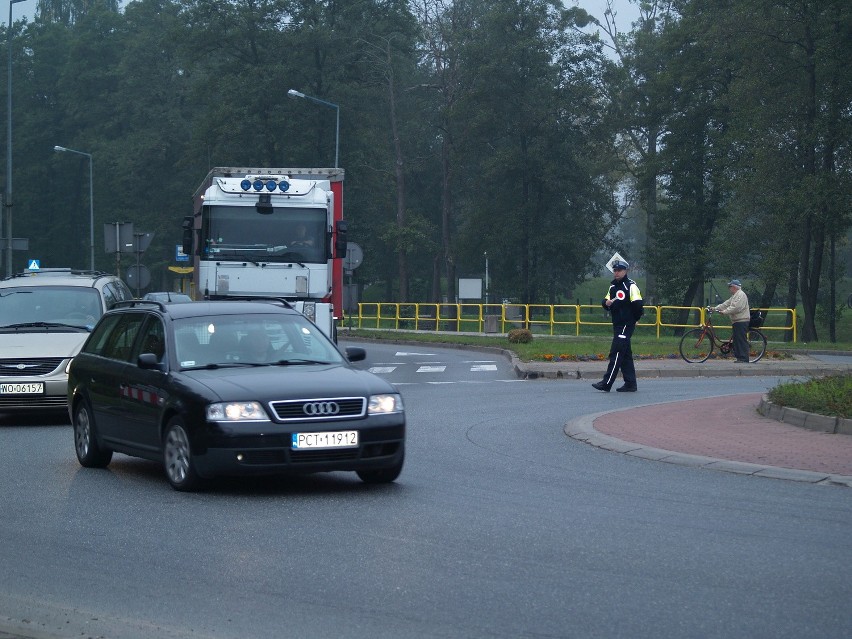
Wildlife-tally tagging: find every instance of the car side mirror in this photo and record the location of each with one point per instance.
(355, 353)
(149, 361)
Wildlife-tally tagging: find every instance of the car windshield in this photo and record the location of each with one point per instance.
(39, 305)
(251, 340)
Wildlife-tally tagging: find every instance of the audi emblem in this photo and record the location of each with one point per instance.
(316, 409)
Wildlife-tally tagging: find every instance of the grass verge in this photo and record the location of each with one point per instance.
(826, 396)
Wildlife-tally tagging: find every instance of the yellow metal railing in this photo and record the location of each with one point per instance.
(551, 319)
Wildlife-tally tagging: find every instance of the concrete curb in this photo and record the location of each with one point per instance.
(802, 419)
(583, 429)
(674, 368)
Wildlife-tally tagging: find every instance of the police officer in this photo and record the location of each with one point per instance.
(624, 302)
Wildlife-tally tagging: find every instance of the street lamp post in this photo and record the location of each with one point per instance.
(485, 254)
(62, 149)
(298, 94)
(9, 143)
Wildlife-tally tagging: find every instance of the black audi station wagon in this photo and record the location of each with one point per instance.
(230, 388)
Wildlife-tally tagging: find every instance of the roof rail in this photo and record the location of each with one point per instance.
(252, 298)
(58, 271)
(135, 303)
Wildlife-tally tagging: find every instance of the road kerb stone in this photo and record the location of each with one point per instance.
(776, 472)
(821, 423)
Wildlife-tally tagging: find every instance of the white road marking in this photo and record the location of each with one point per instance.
(431, 369)
(378, 370)
(479, 368)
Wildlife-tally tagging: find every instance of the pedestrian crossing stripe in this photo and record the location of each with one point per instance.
(382, 369)
(475, 368)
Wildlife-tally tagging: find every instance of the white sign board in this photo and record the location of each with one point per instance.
(470, 289)
(615, 256)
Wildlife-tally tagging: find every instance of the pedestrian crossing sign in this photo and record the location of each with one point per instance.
(34, 265)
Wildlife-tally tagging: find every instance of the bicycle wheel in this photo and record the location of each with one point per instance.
(756, 344)
(696, 346)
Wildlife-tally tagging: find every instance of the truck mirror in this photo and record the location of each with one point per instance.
(186, 240)
(264, 204)
(341, 241)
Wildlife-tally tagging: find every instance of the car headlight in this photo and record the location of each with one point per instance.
(383, 404)
(235, 412)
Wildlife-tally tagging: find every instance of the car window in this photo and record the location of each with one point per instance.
(123, 291)
(109, 296)
(153, 339)
(97, 341)
(116, 291)
(119, 341)
(75, 305)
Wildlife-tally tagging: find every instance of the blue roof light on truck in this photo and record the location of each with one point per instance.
(259, 184)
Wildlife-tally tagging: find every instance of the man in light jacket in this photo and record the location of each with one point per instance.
(737, 308)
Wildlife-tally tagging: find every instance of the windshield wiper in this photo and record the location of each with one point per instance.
(76, 327)
(214, 366)
(297, 362)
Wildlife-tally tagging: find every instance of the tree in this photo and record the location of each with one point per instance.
(790, 104)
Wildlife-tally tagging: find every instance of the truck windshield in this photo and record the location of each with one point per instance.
(285, 235)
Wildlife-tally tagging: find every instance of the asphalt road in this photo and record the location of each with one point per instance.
(500, 526)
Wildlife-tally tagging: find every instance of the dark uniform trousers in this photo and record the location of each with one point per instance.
(621, 356)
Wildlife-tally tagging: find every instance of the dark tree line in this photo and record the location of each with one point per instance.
(709, 138)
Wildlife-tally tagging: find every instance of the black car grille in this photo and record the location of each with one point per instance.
(20, 367)
(277, 457)
(273, 456)
(33, 401)
(320, 409)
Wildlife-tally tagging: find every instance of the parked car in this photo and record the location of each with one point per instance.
(168, 297)
(45, 316)
(230, 388)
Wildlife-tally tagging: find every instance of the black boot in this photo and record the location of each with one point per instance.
(627, 388)
(601, 386)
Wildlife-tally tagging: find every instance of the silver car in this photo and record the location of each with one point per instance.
(45, 316)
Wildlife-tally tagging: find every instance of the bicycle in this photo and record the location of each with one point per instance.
(697, 344)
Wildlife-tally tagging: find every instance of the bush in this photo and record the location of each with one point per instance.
(830, 395)
(520, 336)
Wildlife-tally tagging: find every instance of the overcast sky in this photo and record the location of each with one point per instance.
(626, 12)
(20, 10)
